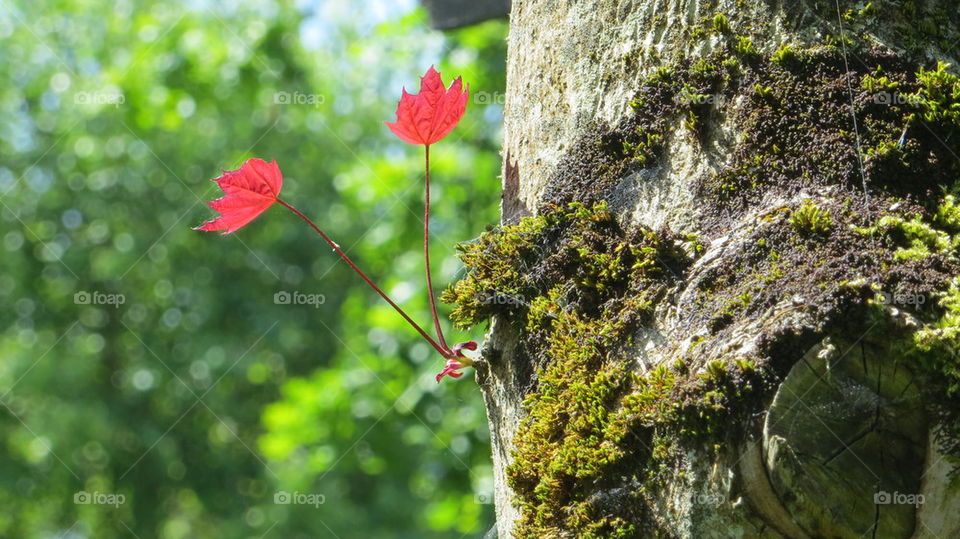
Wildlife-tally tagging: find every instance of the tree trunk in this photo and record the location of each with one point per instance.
(730, 309)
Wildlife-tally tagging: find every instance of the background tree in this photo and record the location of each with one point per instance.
(200, 398)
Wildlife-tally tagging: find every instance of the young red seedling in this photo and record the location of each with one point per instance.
(425, 118)
(250, 191)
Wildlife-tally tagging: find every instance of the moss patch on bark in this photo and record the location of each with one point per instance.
(869, 217)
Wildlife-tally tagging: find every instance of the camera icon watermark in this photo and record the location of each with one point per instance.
(483, 499)
(489, 98)
(897, 498)
(98, 498)
(282, 497)
(98, 298)
(299, 298)
(890, 98)
(298, 98)
(99, 98)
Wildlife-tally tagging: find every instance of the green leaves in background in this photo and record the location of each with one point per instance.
(199, 398)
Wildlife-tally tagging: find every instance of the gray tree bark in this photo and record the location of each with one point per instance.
(843, 423)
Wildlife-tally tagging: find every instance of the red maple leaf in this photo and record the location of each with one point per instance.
(427, 117)
(248, 192)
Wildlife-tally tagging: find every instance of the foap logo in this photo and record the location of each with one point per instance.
(488, 98)
(99, 98)
(282, 497)
(95, 297)
(699, 99)
(98, 498)
(889, 98)
(299, 298)
(886, 298)
(494, 298)
(897, 498)
(707, 498)
(297, 98)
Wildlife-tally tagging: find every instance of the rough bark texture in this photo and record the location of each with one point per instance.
(731, 310)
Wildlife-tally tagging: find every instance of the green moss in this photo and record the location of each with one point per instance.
(935, 96)
(888, 150)
(697, 32)
(570, 242)
(917, 237)
(604, 285)
(878, 82)
(631, 60)
(497, 280)
(945, 334)
(939, 95)
(720, 24)
(645, 150)
(940, 342)
(811, 219)
(947, 215)
(785, 54)
(745, 47)
(762, 91)
(662, 74)
(932, 351)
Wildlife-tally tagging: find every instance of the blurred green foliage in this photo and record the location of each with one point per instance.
(199, 399)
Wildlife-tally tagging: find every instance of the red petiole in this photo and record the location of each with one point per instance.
(426, 247)
(441, 347)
